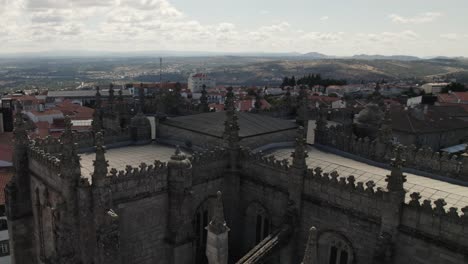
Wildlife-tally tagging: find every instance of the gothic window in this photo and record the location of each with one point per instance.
(257, 225)
(262, 228)
(335, 249)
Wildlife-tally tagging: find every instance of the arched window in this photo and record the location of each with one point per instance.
(202, 218)
(257, 224)
(335, 249)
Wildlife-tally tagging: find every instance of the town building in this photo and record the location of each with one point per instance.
(433, 88)
(196, 82)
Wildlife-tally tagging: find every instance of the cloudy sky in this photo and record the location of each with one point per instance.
(336, 27)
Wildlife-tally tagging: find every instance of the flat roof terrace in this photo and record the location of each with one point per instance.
(432, 189)
(130, 155)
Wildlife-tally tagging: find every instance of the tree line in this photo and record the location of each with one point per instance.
(311, 80)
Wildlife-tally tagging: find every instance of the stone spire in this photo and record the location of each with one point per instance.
(70, 161)
(141, 95)
(120, 97)
(111, 97)
(310, 255)
(258, 101)
(204, 101)
(97, 115)
(98, 98)
(100, 163)
(231, 126)
(229, 102)
(217, 224)
(217, 250)
(303, 103)
(300, 153)
(396, 179)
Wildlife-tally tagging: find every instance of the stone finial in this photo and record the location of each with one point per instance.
(310, 255)
(179, 160)
(98, 98)
(100, 163)
(204, 100)
(97, 115)
(464, 217)
(415, 196)
(217, 224)
(396, 179)
(439, 207)
(300, 153)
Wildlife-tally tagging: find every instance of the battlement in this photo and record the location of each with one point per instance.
(249, 156)
(201, 158)
(43, 158)
(431, 219)
(138, 181)
(423, 159)
(344, 192)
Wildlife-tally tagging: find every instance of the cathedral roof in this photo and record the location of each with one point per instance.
(212, 124)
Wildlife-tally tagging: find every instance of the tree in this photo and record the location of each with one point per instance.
(454, 87)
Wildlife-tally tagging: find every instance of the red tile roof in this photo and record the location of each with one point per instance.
(46, 112)
(454, 97)
(5, 177)
(200, 75)
(6, 146)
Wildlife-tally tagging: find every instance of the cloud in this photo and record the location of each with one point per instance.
(418, 19)
(389, 37)
(130, 25)
(264, 12)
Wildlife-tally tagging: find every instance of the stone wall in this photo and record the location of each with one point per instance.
(143, 229)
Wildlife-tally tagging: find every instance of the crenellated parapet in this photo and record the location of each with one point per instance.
(48, 144)
(143, 171)
(424, 158)
(41, 157)
(344, 192)
(138, 181)
(435, 220)
(201, 158)
(253, 158)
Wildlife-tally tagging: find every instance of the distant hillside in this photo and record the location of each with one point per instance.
(353, 70)
(315, 55)
(383, 57)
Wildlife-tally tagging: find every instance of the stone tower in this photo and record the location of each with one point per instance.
(179, 231)
(217, 250)
(18, 198)
(140, 127)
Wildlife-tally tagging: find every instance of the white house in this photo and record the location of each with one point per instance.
(433, 88)
(197, 80)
